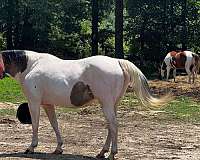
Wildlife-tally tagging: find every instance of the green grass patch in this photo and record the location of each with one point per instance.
(7, 112)
(10, 91)
(184, 108)
(129, 100)
(67, 109)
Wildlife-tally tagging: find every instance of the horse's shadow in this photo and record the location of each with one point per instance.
(44, 156)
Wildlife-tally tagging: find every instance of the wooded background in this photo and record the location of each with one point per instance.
(142, 31)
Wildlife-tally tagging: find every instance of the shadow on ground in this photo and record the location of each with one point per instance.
(44, 156)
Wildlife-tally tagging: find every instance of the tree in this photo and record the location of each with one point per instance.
(119, 28)
(95, 19)
(184, 25)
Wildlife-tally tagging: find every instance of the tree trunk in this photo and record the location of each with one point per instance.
(119, 29)
(95, 19)
(9, 21)
(184, 21)
(165, 30)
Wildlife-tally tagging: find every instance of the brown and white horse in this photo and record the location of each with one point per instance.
(186, 59)
(48, 81)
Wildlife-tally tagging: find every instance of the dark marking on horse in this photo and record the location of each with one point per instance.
(179, 60)
(15, 61)
(81, 94)
(173, 53)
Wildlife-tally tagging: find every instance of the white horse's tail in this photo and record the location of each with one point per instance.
(140, 85)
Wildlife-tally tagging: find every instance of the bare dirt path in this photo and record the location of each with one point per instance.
(143, 135)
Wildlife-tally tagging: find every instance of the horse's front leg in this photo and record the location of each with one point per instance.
(174, 74)
(168, 71)
(50, 111)
(187, 68)
(35, 113)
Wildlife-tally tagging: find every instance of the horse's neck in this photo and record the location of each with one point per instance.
(32, 58)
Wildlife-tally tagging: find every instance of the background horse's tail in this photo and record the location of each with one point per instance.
(140, 85)
(196, 62)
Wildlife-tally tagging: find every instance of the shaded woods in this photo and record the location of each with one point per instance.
(140, 30)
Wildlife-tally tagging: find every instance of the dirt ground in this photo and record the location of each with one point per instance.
(143, 135)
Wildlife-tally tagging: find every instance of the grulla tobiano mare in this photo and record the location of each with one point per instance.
(181, 60)
(47, 81)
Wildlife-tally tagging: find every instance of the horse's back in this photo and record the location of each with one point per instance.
(103, 63)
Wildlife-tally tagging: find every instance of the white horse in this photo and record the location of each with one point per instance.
(47, 81)
(182, 60)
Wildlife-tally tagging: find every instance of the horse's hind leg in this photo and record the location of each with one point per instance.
(187, 68)
(108, 139)
(168, 71)
(50, 111)
(106, 146)
(110, 115)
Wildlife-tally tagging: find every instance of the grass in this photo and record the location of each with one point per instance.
(182, 108)
(7, 112)
(10, 91)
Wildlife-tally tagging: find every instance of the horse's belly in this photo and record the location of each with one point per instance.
(56, 95)
(55, 100)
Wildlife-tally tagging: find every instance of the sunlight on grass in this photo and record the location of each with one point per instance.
(10, 91)
(9, 112)
(129, 100)
(184, 108)
(66, 109)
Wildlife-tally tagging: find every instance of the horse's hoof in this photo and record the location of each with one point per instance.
(58, 152)
(100, 156)
(111, 157)
(28, 151)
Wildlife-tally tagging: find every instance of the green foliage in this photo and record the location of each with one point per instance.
(2, 42)
(63, 27)
(155, 27)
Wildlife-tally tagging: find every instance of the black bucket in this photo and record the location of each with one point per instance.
(23, 114)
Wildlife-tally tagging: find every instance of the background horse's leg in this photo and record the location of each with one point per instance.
(194, 74)
(174, 74)
(168, 71)
(50, 111)
(35, 113)
(187, 68)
